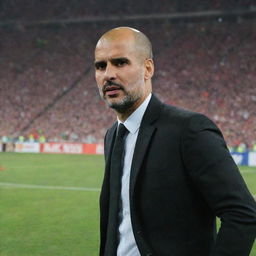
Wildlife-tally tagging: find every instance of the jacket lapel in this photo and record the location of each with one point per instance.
(146, 132)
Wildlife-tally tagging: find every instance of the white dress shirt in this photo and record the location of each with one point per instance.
(127, 245)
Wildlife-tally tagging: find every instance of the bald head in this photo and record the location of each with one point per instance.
(141, 43)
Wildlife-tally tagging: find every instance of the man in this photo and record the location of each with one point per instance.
(177, 174)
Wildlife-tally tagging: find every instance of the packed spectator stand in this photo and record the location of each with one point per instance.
(47, 81)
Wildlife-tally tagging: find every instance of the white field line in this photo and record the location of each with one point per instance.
(15, 185)
(248, 171)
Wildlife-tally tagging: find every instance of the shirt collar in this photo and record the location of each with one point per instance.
(132, 123)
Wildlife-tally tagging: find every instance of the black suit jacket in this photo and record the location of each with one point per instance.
(182, 177)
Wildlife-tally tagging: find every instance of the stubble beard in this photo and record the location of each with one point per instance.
(125, 104)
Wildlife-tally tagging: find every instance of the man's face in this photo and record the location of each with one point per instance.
(119, 73)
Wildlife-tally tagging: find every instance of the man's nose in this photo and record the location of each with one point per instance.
(110, 72)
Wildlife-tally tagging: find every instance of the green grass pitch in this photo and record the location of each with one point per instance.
(50, 212)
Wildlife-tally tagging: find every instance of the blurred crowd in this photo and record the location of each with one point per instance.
(47, 85)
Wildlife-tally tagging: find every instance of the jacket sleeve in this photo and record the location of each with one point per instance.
(216, 176)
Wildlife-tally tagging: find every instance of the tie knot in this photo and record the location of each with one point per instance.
(121, 131)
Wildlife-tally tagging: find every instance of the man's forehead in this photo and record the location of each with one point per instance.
(122, 42)
(111, 57)
(113, 49)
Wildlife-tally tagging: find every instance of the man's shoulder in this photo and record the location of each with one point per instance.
(178, 111)
(194, 120)
(168, 109)
(181, 113)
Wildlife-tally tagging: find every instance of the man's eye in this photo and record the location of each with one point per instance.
(100, 66)
(120, 62)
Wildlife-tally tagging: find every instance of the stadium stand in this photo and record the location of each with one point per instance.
(47, 76)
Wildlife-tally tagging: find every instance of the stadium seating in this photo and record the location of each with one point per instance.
(47, 78)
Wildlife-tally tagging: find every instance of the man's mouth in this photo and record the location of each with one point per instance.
(112, 90)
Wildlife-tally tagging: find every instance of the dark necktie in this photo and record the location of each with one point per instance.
(116, 168)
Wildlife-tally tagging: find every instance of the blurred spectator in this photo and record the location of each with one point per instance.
(47, 85)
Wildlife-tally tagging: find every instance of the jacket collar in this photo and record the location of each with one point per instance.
(146, 131)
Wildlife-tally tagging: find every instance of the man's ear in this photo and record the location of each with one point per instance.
(149, 69)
